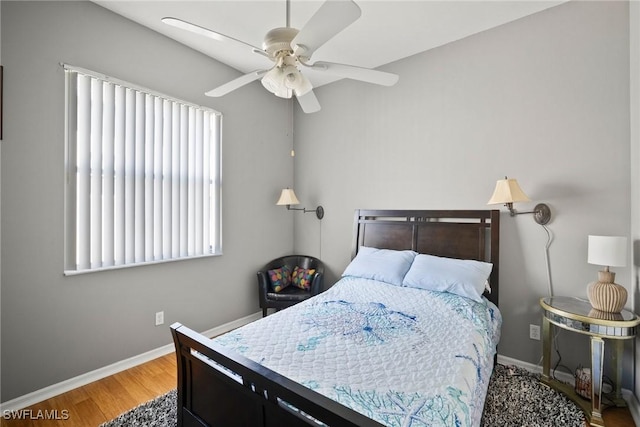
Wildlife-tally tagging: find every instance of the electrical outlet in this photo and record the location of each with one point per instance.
(534, 332)
(159, 318)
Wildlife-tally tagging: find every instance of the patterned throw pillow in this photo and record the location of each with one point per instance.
(301, 277)
(280, 278)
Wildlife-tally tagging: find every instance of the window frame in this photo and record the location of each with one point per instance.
(193, 236)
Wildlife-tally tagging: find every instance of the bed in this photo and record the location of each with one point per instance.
(381, 347)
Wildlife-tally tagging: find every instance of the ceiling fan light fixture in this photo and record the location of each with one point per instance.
(273, 81)
(284, 92)
(303, 88)
(295, 80)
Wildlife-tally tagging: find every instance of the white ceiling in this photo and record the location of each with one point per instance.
(388, 30)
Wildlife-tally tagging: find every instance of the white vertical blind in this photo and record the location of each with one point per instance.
(143, 176)
(108, 178)
(83, 174)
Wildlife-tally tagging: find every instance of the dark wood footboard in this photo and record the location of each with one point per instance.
(219, 387)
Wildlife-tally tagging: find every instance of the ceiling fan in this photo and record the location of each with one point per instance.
(290, 50)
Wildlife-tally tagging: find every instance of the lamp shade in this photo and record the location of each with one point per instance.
(288, 197)
(610, 251)
(507, 191)
(295, 80)
(274, 82)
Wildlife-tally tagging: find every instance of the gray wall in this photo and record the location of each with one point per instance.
(634, 74)
(544, 99)
(0, 206)
(56, 327)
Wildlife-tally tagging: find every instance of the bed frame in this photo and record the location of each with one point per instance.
(219, 387)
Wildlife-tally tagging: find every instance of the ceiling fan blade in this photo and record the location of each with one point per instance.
(236, 83)
(332, 17)
(357, 73)
(308, 102)
(184, 25)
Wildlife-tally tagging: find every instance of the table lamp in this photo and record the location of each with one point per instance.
(608, 251)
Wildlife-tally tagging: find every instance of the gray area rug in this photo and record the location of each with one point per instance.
(515, 398)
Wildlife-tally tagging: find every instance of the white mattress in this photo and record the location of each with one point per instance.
(401, 356)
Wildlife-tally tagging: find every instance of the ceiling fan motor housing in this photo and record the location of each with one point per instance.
(279, 39)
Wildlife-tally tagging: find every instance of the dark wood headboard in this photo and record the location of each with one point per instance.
(462, 234)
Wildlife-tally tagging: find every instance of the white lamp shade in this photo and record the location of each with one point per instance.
(507, 191)
(288, 197)
(295, 80)
(274, 82)
(610, 251)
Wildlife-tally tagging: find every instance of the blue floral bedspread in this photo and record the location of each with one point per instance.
(401, 356)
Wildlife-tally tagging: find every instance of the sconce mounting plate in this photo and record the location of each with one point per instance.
(320, 212)
(541, 213)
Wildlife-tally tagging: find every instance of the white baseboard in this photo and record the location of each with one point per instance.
(84, 379)
(634, 405)
(562, 376)
(629, 397)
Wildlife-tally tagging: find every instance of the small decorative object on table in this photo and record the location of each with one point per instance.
(583, 382)
(609, 251)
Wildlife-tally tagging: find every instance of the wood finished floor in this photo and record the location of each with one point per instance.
(103, 400)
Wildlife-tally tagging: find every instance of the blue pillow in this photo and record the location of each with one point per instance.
(462, 277)
(385, 265)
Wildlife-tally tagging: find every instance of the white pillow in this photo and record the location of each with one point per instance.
(385, 265)
(462, 277)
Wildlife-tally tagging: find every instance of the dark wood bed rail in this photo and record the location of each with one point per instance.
(219, 387)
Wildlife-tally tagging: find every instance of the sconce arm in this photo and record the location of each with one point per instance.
(541, 212)
(319, 211)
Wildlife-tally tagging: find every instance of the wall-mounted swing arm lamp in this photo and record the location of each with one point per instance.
(288, 198)
(508, 192)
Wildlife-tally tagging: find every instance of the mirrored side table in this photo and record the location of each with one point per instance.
(577, 315)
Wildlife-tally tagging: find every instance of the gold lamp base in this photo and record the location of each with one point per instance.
(605, 295)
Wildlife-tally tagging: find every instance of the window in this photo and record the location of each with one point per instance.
(143, 176)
